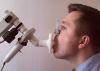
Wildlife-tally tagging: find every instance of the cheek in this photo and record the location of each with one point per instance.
(67, 41)
(67, 45)
(64, 38)
(62, 43)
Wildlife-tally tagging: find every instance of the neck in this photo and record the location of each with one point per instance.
(81, 57)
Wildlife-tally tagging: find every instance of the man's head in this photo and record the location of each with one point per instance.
(79, 30)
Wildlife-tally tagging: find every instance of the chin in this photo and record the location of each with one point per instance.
(58, 56)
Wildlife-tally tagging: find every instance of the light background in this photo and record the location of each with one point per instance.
(41, 15)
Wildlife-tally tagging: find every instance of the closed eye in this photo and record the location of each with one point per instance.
(62, 27)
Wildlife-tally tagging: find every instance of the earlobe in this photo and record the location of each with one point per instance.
(84, 41)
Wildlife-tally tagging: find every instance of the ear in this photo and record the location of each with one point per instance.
(84, 41)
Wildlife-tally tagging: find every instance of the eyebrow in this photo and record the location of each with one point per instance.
(64, 23)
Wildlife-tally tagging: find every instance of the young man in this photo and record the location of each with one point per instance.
(78, 40)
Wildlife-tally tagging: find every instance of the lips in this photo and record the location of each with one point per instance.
(54, 42)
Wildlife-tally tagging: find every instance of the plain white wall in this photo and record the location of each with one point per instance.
(41, 15)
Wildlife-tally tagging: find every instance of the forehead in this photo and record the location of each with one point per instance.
(72, 17)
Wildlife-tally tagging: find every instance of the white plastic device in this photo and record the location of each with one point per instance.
(26, 35)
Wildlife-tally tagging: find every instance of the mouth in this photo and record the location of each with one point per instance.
(54, 42)
(54, 48)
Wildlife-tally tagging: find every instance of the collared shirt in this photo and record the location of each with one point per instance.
(92, 64)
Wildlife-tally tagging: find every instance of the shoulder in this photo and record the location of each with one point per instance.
(90, 67)
(93, 67)
(92, 64)
(96, 67)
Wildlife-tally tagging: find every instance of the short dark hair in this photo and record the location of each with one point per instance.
(89, 22)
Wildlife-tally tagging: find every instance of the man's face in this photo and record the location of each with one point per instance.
(66, 43)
